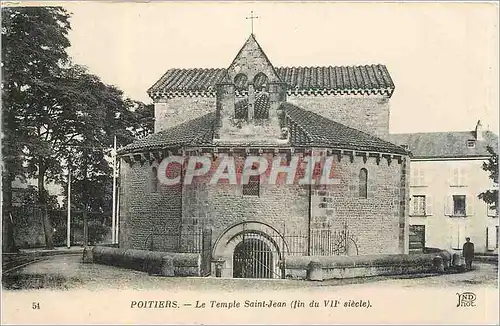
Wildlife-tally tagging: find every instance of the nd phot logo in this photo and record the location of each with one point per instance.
(466, 299)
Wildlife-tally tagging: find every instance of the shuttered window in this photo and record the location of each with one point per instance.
(492, 237)
(459, 205)
(492, 211)
(459, 177)
(417, 177)
(419, 205)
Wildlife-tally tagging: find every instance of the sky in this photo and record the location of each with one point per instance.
(443, 57)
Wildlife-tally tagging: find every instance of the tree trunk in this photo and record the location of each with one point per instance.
(47, 225)
(85, 227)
(8, 243)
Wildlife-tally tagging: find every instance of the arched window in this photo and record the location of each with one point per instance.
(363, 183)
(154, 179)
(260, 82)
(241, 82)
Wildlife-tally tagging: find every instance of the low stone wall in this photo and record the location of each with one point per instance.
(491, 258)
(337, 267)
(152, 262)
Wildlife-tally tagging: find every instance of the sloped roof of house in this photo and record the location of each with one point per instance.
(374, 79)
(451, 144)
(306, 129)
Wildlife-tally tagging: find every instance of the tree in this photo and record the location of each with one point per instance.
(491, 166)
(143, 122)
(34, 42)
(59, 115)
(103, 113)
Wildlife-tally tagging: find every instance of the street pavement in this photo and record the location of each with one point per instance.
(66, 272)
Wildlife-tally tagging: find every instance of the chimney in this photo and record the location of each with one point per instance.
(479, 131)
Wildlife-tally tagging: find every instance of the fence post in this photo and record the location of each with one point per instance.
(283, 254)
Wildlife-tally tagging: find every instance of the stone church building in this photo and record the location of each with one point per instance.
(253, 108)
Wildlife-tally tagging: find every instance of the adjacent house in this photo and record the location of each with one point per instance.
(446, 177)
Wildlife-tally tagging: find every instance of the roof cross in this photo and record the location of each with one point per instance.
(252, 17)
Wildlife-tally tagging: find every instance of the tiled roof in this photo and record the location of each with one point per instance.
(193, 132)
(310, 129)
(306, 129)
(451, 144)
(370, 79)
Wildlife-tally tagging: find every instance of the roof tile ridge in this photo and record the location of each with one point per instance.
(308, 135)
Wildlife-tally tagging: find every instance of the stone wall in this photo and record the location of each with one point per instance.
(368, 113)
(144, 211)
(374, 221)
(174, 111)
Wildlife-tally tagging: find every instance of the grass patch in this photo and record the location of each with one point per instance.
(39, 281)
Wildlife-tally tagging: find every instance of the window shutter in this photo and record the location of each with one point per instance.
(412, 206)
(421, 180)
(463, 176)
(413, 172)
(448, 205)
(456, 177)
(455, 241)
(491, 236)
(428, 205)
(469, 205)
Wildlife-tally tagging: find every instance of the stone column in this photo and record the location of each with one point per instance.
(251, 101)
(224, 105)
(277, 95)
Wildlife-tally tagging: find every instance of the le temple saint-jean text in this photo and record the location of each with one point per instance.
(237, 304)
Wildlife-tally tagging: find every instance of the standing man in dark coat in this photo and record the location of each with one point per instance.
(468, 253)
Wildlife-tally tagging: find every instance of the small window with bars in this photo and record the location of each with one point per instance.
(253, 186)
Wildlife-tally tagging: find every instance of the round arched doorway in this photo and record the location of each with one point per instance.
(249, 250)
(252, 258)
